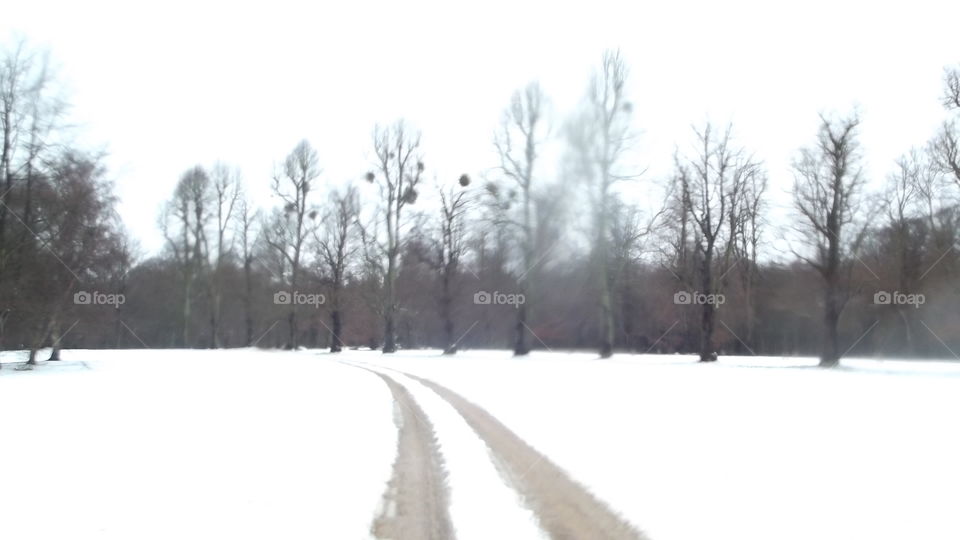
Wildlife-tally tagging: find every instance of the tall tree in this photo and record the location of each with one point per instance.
(447, 251)
(184, 224)
(337, 245)
(715, 184)
(292, 185)
(826, 193)
(31, 112)
(82, 242)
(603, 135)
(400, 168)
(901, 197)
(747, 250)
(246, 231)
(517, 143)
(226, 194)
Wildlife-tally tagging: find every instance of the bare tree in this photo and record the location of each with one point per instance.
(184, 225)
(226, 194)
(715, 184)
(517, 143)
(81, 242)
(901, 197)
(31, 113)
(826, 193)
(447, 252)
(603, 136)
(400, 168)
(292, 186)
(336, 244)
(16, 82)
(747, 249)
(246, 225)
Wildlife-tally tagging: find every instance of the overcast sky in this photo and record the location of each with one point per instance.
(164, 87)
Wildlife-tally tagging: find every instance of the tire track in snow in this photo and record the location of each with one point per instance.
(416, 503)
(482, 505)
(565, 509)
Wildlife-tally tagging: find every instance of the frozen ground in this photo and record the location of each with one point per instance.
(740, 449)
(249, 444)
(192, 444)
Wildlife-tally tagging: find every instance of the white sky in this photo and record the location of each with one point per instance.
(174, 84)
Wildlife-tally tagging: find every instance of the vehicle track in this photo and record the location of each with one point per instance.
(565, 509)
(416, 503)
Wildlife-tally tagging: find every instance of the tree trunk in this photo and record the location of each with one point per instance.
(907, 330)
(248, 300)
(187, 292)
(215, 321)
(336, 342)
(606, 302)
(55, 345)
(830, 356)
(389, 339)
(708, 310)
(750, 315)
(292, 323)
(606, 317)
(446, 311)
(520, 345)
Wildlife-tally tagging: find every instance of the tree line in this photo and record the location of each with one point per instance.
(575, 249)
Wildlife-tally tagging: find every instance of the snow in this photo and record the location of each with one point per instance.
(253, 444)
(192, 444)
(741, 449)
(473, 480)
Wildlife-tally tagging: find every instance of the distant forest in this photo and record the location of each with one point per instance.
(522, 259)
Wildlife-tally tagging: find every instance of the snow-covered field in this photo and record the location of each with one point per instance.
(192, 444)
(739, 449)
(251, 444)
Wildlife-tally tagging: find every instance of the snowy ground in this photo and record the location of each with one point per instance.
(249, 444)
(191, 444)
(740, 449)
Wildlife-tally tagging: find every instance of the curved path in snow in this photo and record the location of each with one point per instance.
(564, 509)
(415, 505)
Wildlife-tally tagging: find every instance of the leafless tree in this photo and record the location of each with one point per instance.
(246, 231)
(747, 248)
(602, 135)
(337, 245)
(31, 113)
(517, 143)
(80, 242)
(931, 185)
(184, 225)
(715, 184)
(292, 185)
(448, 250)
(826, 193)
(399, 170)
(901, 198)
(226, 194)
